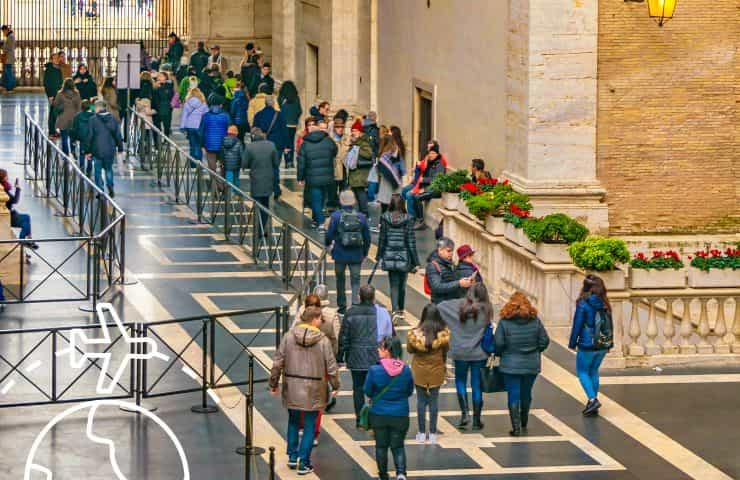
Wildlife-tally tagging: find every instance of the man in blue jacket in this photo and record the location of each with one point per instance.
(349, 236)
(213, 126)
(103, 137)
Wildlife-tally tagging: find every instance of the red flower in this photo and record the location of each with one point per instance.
(506, 182)
(471, 187)
(488, 181)
(519, 212)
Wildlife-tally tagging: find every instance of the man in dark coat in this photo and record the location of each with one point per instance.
(316, 168)
(174, 51)
(52, 84)
(272, 122)
(440, 273)
(266, 78)
(81, 134)
(103, 137)
(199, 59)
(261, 158)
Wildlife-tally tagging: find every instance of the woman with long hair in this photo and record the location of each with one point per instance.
(398, 138)
(520, 339)
(397, 251)
(66, 105)
(290, 105)
(192, 112)
(389, 171)
(389, 384)
(428, 343)
(467, 319)
(591, 303)
(109, 94)
(85, 83)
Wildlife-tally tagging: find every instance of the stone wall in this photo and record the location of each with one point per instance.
(668, 141)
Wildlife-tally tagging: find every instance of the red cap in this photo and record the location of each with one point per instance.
(358, 125)
(464, 251)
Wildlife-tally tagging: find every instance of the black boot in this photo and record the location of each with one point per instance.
(592, 407)
(516, 420)
(477, 424)
(464, 419)
(399, 458)
(524, 416)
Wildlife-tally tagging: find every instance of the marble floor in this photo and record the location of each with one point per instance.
(681, 423)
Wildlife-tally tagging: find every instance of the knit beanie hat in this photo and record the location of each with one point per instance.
(358, 125)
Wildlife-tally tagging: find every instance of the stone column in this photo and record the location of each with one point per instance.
(339, 52)
(284, 39)
(551, 107)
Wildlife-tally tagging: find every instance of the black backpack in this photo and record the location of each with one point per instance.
(603, 330)
(350, 230)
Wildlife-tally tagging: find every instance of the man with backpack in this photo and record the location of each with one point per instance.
(349, 234)
(441, 281)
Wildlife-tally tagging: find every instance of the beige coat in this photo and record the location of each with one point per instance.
(306, 363)
(144, 108)
(343, 145)
(428, 365)
(67, 105)
(329, 324)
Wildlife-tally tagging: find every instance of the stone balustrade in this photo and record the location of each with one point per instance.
(652, 325)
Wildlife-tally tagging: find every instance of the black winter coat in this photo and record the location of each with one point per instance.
(52, 79)
(433, 169)
(316, 159)
(519, 343)
(199, 60)
(358, 337)
(162, 99)
(443, 282)
(397, 243)
(86, 85)
(231, 152)
(103, 136)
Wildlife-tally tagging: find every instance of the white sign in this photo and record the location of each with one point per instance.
(129, 60)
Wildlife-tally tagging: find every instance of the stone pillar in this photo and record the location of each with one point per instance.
(339, 52)
(551, 107)
(284, 39)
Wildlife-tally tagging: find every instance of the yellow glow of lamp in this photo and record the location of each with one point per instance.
(661, 10)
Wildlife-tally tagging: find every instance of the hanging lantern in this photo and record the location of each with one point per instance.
(661, 10)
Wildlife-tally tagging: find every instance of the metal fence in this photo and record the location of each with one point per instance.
(272, 242)
(82, 266)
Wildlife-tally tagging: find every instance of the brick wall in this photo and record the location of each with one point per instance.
(668, 128)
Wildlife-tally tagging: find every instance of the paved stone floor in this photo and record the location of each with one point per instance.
(681, 423)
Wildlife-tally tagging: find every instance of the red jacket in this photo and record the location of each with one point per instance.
(421, 168)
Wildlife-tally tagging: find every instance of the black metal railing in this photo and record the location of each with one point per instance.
(272, 242)
(85, 265)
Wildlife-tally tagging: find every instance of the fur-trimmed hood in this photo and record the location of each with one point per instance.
(417, 340)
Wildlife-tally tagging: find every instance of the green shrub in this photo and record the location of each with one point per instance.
(555, 228)
(449, 182)
(598, 253)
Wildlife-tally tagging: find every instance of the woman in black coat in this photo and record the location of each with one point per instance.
(85, 83)
(520, 340)
(162, 102)
(397, 250)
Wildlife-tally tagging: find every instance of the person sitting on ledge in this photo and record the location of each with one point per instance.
(18, 220)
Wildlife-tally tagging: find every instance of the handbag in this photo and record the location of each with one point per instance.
(363, 421)
(491, 377)
(487, 343)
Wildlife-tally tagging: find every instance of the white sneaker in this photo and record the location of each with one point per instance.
(433, 438)
(421, 437)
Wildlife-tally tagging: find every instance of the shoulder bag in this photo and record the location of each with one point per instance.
(491, 377)
(363, 421)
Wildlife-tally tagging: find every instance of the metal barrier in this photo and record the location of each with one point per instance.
(272, 242)
(100, 238)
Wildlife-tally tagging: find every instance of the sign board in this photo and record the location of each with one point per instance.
(129, 61)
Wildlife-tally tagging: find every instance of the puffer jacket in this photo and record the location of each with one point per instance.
(144, 108)
(397, 243)
(357, 178)
(304, 360)
(358, 342)
(66, 104)
(520, 342)
(330, 324)
(213, 128)
(192, 113)
(238, 108)
(395, 401)
(584, 321)
(428, 364)
(162, 99)
(232, 152)
(443, 281)
(316, 159)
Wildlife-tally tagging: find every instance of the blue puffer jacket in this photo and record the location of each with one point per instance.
(213, 128)
(238, 108)
(582, 333)
(395, 401)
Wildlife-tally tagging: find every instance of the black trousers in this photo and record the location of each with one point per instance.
(390, 432)
(398, 290)
(361, 196)
(358, 395)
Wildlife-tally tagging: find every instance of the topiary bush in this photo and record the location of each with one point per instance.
(599, 254)
(449, 182)
(555, 228)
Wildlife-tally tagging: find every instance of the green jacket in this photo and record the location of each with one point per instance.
(358, 178)
(81, 129)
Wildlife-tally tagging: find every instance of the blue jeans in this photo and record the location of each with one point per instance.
(372, 190)
(194, 143)
(318, 195)
(519, 387)
(22, 221)
(302, 451)
(276, 179)
(8, 77)
(233, 177)
(66, 142)
(406, 195)
(587, 369)
(101, 165)
(461, 378)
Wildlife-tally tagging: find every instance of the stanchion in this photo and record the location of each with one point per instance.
(204, 406)
(272, 463)
(249, 449)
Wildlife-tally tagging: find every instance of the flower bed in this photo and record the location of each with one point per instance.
(661, 270)
(713, 268)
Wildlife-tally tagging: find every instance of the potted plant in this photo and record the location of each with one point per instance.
(467, 191)
(517, 214)
(713, 268)
(661, 270)
(600, 255)
(448, 184)
(552, 234)
(481, 206)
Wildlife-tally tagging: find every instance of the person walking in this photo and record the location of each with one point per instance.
(316, 169)
(592, 303)
(348, 236)
(428, 343)
(212, 130)
(358, 341)
(389, 171)
(290, 104)
(85, 83)
(199, 59)
(520, 339)
(397, 252)
(467, 319)
(257, 103)
(104, 136)
(357, 177)
(193, 110)
(306, 363)
(270, 120)
(52, 84)
(164, 90)
(232, 152)
(261, 158)
(8, 46)
(337, 133)
(66, 105)
(389, 384)
(238, 110)
(110, 96)
(440, 273)
(80, 134)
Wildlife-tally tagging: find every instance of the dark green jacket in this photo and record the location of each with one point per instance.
(358, 178)
(316, 159)
(199, 60)
(174, 54)
(52, 79)
(519, 343)
(81, 129)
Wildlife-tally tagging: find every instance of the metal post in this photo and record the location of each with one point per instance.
(227, 211)
(199, 195)
(249, 449)
(286, 256)
(54, 366)
(272, 463)
(278, 322)
(286, 322)
(204, 407)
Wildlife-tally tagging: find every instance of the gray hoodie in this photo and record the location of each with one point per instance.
(465, 338)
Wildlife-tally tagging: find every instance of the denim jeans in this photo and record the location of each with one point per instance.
(302, 451)
(22, 221)
(398, 290)
(66, 142)
(291, 153)
(233, 177)
(361, 196)
(194, 143)
(519, 387)
(318, 195)
(390, 432)
(461, 378)
(406, 195)
(358, 394)
(427, 399)
(354, 280)
(8, 77)
(587, 369)
(372, 191)
(101, 165)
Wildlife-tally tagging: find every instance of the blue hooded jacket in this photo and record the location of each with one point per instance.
(395, 401)
(213, 128)
(582, 333)
(238, 108)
